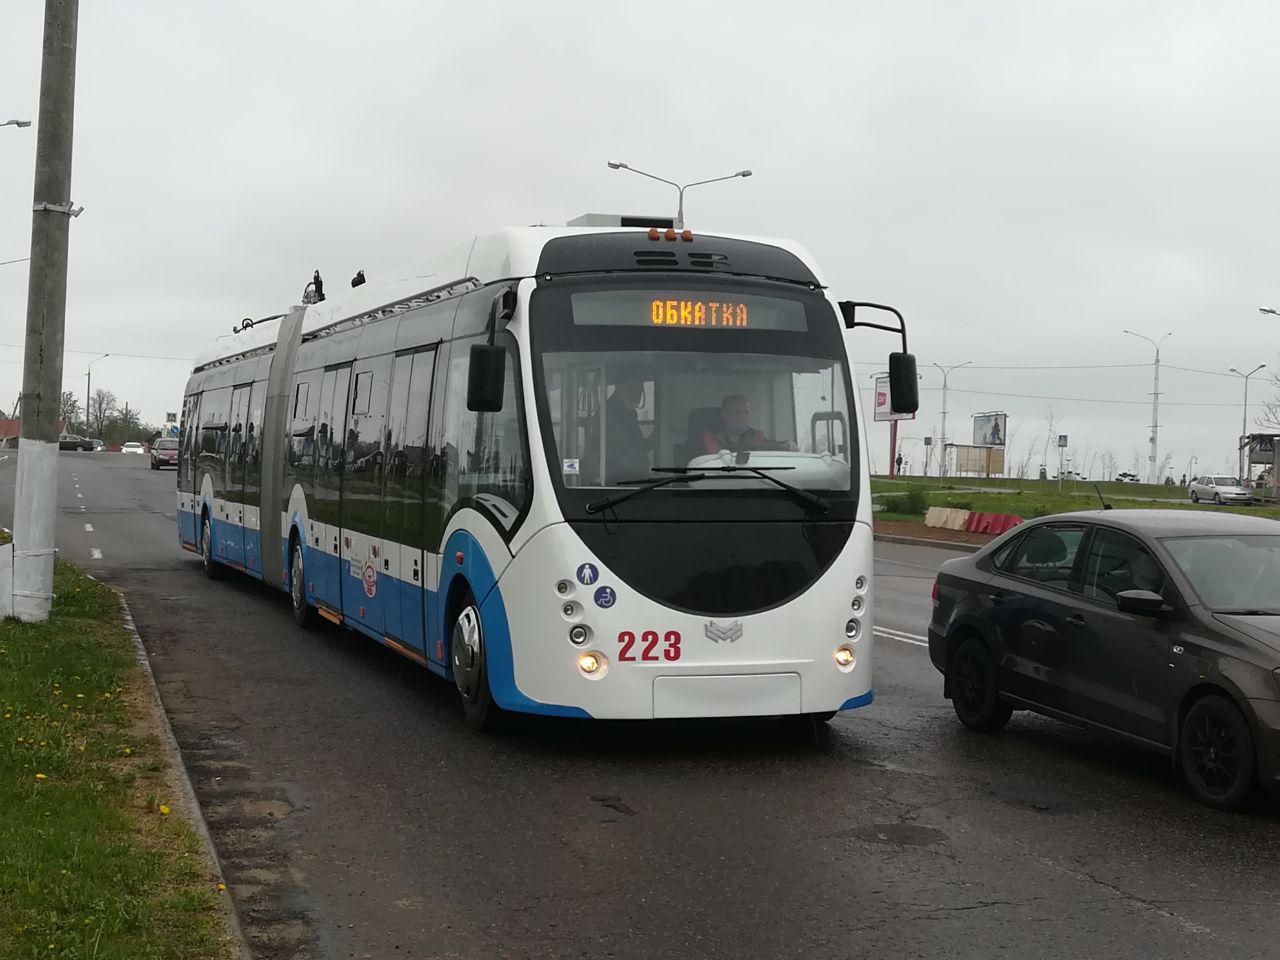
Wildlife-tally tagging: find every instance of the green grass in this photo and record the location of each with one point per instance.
(1032, 503)
(1112, 489)
(90, 865)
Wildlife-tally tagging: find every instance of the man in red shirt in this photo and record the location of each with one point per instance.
(735, 432)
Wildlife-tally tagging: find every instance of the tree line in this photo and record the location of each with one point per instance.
(106, 419)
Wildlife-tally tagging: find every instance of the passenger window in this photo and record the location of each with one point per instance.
(1047, 555)
(1000, 559)
(484, 452)
(1116, 563)
(363, 388)
(300, 400)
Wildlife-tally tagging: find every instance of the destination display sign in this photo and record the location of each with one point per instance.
(687, 310)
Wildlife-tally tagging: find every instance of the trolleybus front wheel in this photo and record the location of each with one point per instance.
(470, 670)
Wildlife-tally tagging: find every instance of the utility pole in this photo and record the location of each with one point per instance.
(942, 446)
(88, 389)
(36, 494)
(1155, 406)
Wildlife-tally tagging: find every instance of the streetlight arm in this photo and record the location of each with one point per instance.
(732, 176)
(623, 166)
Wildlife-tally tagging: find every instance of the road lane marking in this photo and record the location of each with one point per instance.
(906, 563)
(88, 528)
(80, 495)
(915, 641)
(95, 553)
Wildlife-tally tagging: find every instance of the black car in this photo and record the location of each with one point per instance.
(69, 441)
(1160, 626)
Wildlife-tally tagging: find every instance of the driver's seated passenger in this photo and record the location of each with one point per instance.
(735, 433)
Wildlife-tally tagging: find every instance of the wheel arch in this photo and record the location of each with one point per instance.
(966, 629)
(1209, 688)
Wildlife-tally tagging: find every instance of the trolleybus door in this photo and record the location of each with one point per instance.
(364, 560)
(325, 504)
(230, 541)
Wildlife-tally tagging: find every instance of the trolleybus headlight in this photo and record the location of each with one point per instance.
(579, 634)
(845, 657)
(571, 611)
(857, 604)
(563, 587)
(592, 664)
(853, 628)
(860, 584)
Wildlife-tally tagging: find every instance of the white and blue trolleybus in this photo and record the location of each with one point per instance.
(588, 472)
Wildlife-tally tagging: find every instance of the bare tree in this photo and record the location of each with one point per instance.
(102, 407)
(68, 408)
(1270, 418)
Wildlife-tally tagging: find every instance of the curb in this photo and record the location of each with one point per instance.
(184, 784)
(922, 542)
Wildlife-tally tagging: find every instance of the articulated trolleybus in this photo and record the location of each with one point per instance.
(586, 472)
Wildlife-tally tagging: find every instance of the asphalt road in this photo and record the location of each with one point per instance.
(358, 816)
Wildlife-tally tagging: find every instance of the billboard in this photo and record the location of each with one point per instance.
(884, 409)
(989, 429)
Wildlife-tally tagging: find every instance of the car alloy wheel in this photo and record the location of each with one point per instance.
(974, 693)
(298, 587)
(1217, 498)
(1216, 753)
(1195, 497)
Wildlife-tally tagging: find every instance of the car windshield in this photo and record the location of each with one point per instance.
(1231, 573)
(1226, 482)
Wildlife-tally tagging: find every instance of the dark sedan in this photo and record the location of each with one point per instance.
(1159, 626)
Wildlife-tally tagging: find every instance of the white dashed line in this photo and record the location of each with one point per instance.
(88, 528)
(95, 553)
(911, 638)
(80, 495)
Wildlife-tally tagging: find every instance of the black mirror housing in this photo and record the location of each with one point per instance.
(904, 388)
(1142, 603)
(485, 376)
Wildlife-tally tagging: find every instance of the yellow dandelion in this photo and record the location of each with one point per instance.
(106, 696)
(222, 886)
(41, 776)
(164, 811)
(128, 751)
(79, 696)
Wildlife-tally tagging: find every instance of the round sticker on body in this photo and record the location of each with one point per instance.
(606, 597)
(588, 574)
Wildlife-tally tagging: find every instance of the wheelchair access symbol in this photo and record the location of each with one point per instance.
(588, 574)
(606, 597)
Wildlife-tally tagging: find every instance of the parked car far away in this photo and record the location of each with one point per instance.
(164, 453)
(69, 441)
(1158, 626)
(1219, 490)
(133, 447)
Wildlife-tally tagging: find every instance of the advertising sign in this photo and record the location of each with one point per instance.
(989, 429)
(884, 409)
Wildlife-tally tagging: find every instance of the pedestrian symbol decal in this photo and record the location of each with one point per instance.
(606, 598)
(588, 574)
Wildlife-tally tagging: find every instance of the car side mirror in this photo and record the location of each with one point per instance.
(904, 389)
(1142, 603)
(485, 376)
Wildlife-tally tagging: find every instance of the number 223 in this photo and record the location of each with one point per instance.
(648, 643)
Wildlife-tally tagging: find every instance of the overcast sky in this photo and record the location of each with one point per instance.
(1023, 182)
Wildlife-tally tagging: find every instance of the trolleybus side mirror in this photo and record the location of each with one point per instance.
(904, 392)
(485, 377)
(904, 389)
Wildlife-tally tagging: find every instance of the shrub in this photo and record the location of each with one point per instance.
(912, 503)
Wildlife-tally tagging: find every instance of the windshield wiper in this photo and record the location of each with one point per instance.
(604, 503)
(811, 499)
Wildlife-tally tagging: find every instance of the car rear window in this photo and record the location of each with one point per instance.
(166, 445)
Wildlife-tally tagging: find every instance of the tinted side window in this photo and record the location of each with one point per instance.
(1115, 563)
(1000, 559)
(1047, 555)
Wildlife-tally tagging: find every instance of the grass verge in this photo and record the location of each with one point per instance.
(95, 858)
(1029, 504)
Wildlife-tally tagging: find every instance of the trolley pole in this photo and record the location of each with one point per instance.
(36, 498)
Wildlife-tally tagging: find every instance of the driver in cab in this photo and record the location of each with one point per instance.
(735, 433)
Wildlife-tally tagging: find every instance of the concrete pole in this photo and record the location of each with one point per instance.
(36, 494)
(1155, 423)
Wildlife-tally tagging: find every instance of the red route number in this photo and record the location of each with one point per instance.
(650, 646)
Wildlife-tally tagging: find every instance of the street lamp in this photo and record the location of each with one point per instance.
(942, 440)
(16, 123)
(1155, 405)
(1269, 310)
(616, 165)
(1191, 466)
(88, 392)
(1244, 420)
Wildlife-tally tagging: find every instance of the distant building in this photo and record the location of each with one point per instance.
(9, 430)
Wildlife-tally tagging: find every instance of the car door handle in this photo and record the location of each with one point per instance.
(1076, 620)
(997, 599)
